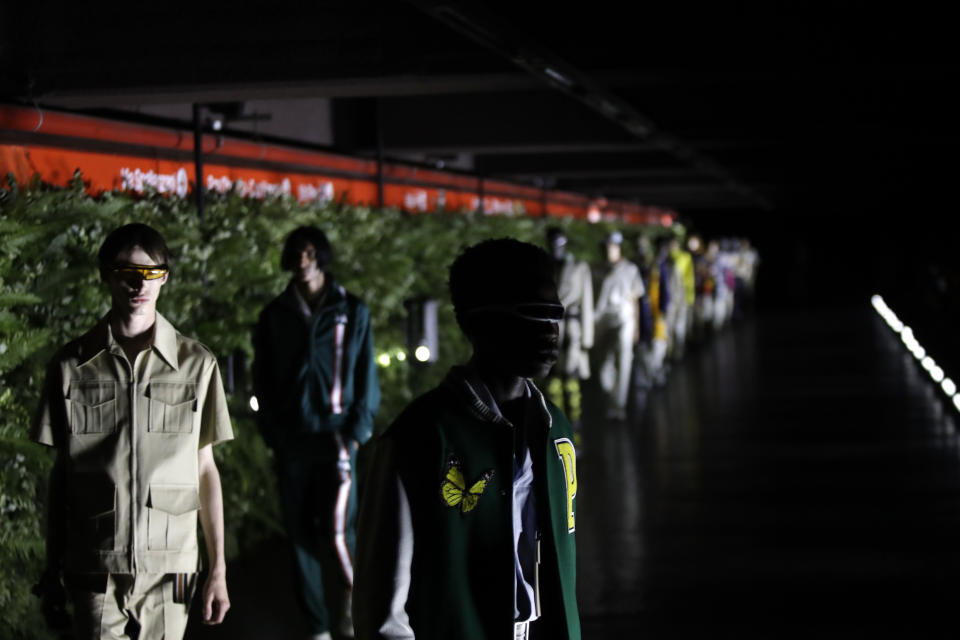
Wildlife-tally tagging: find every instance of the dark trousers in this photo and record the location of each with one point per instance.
(318, 497)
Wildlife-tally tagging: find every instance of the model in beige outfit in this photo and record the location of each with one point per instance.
(133, 409)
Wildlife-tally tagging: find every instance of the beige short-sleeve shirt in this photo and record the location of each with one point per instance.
(130, 433)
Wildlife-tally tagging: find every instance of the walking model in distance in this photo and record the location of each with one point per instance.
(575, 289)
(315, 379)
(133, 409)
(467, 519)
(617, 326)
(683, 267)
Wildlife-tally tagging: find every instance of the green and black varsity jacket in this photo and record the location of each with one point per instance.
(427, 568)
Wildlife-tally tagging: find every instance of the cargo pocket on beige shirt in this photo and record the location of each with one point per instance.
(172, 407)
(172, 517)
(92, 406)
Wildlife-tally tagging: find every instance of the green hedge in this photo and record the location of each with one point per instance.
(225, 268)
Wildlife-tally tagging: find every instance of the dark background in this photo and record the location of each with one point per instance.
(823, 131)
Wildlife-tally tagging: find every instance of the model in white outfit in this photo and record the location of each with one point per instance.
(617, 326)
(723, 295)
(575, 289)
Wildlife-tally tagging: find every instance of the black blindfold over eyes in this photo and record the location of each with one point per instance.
(540, 311)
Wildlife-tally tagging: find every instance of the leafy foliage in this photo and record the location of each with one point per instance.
(225, 269)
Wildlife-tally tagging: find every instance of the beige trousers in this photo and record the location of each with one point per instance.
(159, 604)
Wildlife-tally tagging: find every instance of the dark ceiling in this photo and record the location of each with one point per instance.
(748, 108)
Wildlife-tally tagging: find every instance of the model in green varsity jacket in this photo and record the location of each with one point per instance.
(468, 513)
(332, 384)
(429, 569)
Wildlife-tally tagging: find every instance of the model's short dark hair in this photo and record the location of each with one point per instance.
(501, 271)
(299, 238)
(129, 236)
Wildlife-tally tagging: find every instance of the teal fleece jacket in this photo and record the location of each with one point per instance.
(317, 375)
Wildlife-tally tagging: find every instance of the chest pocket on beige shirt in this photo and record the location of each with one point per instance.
(92, 406)
(173, 406)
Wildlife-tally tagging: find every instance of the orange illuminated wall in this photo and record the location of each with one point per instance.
(116, 155)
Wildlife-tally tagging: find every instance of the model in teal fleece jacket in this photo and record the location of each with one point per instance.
(302, 382)
(315, 379)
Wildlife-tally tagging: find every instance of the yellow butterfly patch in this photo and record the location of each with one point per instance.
(453, 487)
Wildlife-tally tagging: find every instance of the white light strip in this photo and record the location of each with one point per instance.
(559, 77)
(948, 386)
(886, 313)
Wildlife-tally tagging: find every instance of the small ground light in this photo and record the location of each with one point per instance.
(928, 363)
(254, 404)
(422, 353)
(956, 401)
(937, 374)
(401, 356)
(948, 386)
(383, 359)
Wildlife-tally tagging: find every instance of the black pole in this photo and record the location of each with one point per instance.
(198, 171)
(480, 188)
(231, 372)
(198, 155)
(379, 125)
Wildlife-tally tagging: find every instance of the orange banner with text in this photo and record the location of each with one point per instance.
(136, 158)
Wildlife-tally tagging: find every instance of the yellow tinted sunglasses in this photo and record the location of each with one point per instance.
(145, 271)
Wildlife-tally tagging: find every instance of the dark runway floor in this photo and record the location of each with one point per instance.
(797, 478)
